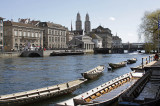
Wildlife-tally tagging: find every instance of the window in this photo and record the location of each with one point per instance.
(36, 34)
(15, 32)
(32, 34)
(24, 33)
(28, 34)
(55, 32)
(49, 39)
(55, 39)
(40, 34)
(20, 33)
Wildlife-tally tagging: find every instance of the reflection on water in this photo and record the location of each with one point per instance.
(21, 74)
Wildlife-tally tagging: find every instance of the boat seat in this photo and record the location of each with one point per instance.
(107, 90)
(93, 96)
(102, 92)
(87, 99)
(98, 94)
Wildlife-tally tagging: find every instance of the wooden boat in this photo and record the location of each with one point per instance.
(146, 92)
(66, 53)
(106, 93)
(26, 97)
(93, 73)
(117, 65)
(130, 61)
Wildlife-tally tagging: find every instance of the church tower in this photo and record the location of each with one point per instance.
(87, 24)
(78, 23)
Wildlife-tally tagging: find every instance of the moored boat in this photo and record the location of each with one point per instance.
(106, 93)
(26, 97)
(146, 92)
(93, 73)
(65, 53)
(130, 61)
(117, 65)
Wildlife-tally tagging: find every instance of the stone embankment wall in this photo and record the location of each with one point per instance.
(9, 54)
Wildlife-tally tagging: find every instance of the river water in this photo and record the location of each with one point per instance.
(21, 74)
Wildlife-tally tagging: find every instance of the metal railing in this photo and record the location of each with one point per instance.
(146, 60)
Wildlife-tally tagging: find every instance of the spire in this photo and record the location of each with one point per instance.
(87, 17)
(78, 17)
(78, 23)
(71, 26)
(87, 24)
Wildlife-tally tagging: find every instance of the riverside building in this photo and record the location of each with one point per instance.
(105, 34)
(1, 33)
(82, 42)
(19, 35)
(54, 35)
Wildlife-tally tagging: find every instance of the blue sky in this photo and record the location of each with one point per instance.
(121, 16)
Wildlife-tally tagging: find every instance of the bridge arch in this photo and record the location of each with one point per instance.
(34, 54)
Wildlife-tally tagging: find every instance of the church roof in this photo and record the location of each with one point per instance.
(94, 36)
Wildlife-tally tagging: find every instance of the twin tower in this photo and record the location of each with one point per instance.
(87, 26)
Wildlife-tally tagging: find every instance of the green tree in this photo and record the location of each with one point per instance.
(149, 28)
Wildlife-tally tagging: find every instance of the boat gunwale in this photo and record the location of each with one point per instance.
(98, 89)
(95, 70)
(57, 88)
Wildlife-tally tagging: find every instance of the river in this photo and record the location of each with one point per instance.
(21, 74)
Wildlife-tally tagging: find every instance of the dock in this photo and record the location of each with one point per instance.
(147, 90)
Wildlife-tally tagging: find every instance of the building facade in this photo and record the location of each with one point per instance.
(54, 35)
(1, 33)
(82, 42)
(116, 42)
(69, 36)
(97, 40)
(105, 34)
(18, 36)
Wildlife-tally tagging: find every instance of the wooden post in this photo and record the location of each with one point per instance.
(146, 61)
(142, 63)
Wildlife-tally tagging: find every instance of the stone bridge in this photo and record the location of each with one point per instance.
(32, 54)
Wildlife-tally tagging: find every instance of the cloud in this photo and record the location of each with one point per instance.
(112, 18)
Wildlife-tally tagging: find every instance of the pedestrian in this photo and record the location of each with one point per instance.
(156, 57)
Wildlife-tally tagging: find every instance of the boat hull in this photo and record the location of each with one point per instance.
(137, 93)
(94, 73)
(117, 65)
(131, 61)
(37, 95)
(66, 53)
(104, 94)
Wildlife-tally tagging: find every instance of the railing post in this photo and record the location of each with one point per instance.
(149, 59)
(142, 63)
(146, 61)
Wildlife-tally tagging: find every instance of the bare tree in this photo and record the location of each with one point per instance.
(149, 28)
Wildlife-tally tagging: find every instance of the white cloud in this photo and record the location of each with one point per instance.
(112, 18)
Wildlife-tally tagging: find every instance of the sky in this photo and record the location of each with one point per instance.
(122, 17)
